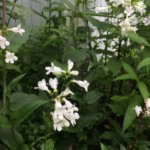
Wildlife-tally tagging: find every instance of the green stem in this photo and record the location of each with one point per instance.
(4, 81)
(3, 53)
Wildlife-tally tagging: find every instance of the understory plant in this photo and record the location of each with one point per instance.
(80, 81)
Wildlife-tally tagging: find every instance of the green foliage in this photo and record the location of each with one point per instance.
(119, 80)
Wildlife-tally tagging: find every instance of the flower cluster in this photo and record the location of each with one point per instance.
(126, 16)
(143, 111)
(9, 56)
(65, 113)
(129, 18)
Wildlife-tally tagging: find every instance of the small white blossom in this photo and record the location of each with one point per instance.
(70, 66)
(53, 83)
(59, 124)
(129, 10)
(138, 110)
(148, 103)
(84, 84)
(140, 7)
(54, 70)
(42, 85)
(17, 29)
(101, 9)
(10, 57)
(126, 27)
(66, 92)
(3, 42)
(64, 114)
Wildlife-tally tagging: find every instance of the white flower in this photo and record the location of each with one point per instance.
(59, 110)
(101, 9)
(70, 107)
(59, 124)
(53, 83)
(3, 42)
(129, 10)
(148, 103)
(140, 7)
(138, 110)
(42, 85)
(17, 29)
(10, 57)
(127, 27)
(64, 114)
(70, 66)
(54, 70)
(66, 92)
(84, 84)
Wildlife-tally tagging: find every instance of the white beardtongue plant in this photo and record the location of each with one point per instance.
(59, 90)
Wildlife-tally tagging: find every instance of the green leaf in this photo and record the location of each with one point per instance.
(48, 145)
(13, 83)
(92, 96)
(137, 38)
(69, 4)
(4, 122)
(119, 98)
(103, 147)
(22, 105)
(114, 65)
(124, 77)
(129, 70)
(76, 55)
(122, 147)
(143, 89)
(99, 24)
(130, 114)
(144, 62)
(11, 137)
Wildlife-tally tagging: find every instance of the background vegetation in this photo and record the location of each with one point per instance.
(119, 81)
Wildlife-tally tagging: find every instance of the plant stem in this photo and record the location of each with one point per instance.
(4, 12)
(3, 53)
(4, 81)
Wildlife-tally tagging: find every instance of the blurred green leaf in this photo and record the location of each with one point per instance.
(137, 38)
(130, 114)
(129, 70)
(143, 89)
(144, 62)
(22, 105)
(92, 96)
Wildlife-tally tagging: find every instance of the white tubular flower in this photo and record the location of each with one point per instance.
(127, 27)
(58, 113)
(129, 10)
(70, 66)
(66, 92)
(101, 9)
(17, 29)
(70, 112)
(42, 85)
(59, 124)
(54, 70)
(140, 7)
(84, 84)
(3, 42)
(138, 110)
(10, 57)
(147, 103)
(70, 107)
(53, 83)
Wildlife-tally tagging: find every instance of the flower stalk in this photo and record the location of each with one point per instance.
(3, 55)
